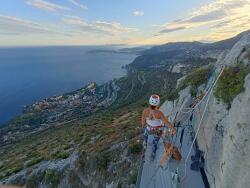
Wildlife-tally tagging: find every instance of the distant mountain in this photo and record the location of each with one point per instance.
(172, 47)
(135, 50)
(173, 52)
(196, 46)
(132, 50)
(227, 43)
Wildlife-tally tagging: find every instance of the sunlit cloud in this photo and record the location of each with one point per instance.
(45, 5)
(74, 2)
(221, 19)
(101, 27)
(219, 12)
(138, 13)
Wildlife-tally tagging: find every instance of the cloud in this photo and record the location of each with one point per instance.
(16, 26)
(221, 24)
(218, 14)
(45, 5)
(194, 21)
(168, 30)
(100, 27)
(138, 13)
(74, 2)
(206, 17)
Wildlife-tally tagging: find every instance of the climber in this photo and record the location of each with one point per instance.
(153, 121)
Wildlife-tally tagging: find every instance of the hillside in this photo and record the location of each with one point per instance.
(106, 137)
(172, 52)
(89, 137)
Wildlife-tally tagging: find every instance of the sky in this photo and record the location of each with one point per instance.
(130, 22)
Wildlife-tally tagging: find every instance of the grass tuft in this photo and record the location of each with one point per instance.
(102, 161)
(196, 78)
(135, 148)
(132, 177)
(61, 154)
(231, 83)
(34, 161)
(53, 178)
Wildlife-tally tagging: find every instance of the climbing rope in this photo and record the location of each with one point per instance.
(190, 111)
(199, 125)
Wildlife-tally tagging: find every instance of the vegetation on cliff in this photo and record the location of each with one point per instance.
(196, 78)
(231, 83)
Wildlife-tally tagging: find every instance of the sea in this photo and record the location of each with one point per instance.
(29, 74)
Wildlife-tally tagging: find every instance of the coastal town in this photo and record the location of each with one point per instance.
(56, 109)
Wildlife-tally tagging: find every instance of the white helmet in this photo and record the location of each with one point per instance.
(154, 100)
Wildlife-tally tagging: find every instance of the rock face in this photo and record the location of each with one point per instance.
(224, 134)
(177, 68)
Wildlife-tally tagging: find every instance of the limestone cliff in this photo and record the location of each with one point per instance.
(224, 133)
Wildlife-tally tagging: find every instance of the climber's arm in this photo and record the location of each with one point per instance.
(168, 123)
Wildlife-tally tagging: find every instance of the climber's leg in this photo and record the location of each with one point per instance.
(155, 143)
(145, 142)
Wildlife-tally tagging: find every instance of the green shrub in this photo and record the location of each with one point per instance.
(231, 83)
(102, 161)
(66, 146)
(135, 148)
(132, 133)
(7, 173)
(32, 181)
(34, 161)
(171, 96)
(53, 178)
(196, 78)
(17, 168)
(35, 179)
(132, 177)
(82, 159)
(14, 169)
(61, 154)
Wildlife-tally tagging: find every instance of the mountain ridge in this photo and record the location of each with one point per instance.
(169, 52)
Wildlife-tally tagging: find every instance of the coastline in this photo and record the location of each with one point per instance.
(49, 72)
